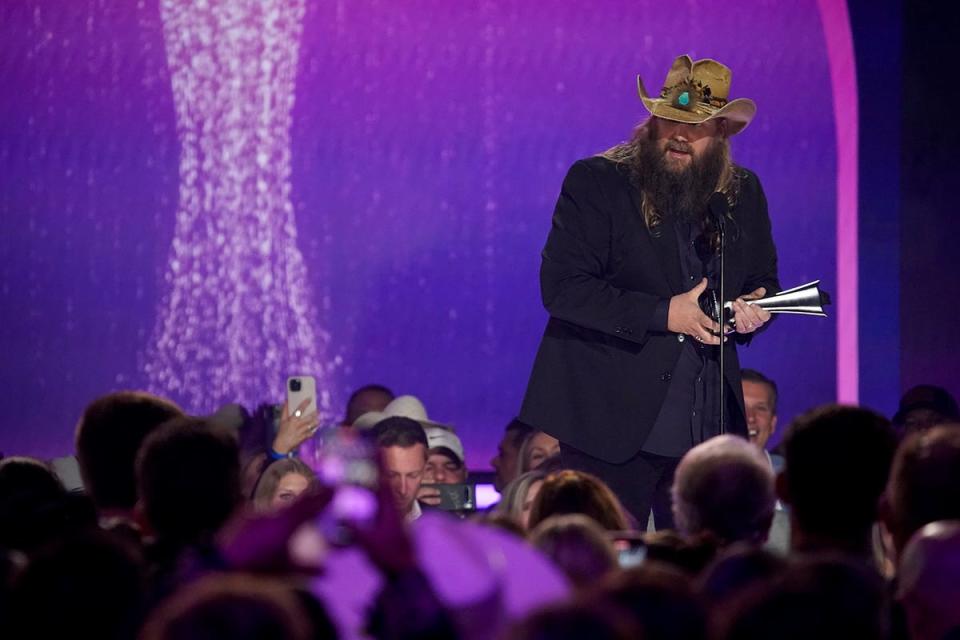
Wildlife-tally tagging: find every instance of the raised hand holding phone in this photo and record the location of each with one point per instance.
(298, 419)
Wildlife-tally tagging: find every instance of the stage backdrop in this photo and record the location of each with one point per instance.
(200, 198)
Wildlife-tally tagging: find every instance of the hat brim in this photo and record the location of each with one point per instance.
(448, 452)
(737, 112)
(371, 418)
(439, 425)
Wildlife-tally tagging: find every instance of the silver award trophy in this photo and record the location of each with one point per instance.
(807, 300)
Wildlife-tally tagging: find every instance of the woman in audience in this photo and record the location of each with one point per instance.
(518, 497)
(570, 491)
(536, 449)
(281, 483)
(578, 546)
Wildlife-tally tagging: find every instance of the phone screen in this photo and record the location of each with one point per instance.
(631, 551)
(454, 497)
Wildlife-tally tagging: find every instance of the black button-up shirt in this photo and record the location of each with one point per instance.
(689, 414)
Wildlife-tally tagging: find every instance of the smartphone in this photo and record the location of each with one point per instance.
(455, 497)
(630, 548)
(347, 462)
(68, 470)
(300, 388)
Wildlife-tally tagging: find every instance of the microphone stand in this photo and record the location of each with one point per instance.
(718, 206)
(723, 325)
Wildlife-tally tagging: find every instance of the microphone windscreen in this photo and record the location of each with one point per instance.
(718, 206)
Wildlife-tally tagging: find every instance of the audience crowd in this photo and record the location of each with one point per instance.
(221, 527)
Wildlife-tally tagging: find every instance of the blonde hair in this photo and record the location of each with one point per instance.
(515, 494)
(271, 477)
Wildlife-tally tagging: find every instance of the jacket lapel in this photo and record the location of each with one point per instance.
(664, 241)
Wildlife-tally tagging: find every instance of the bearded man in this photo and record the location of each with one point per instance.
(628, 371)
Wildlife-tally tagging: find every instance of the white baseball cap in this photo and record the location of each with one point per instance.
(440, 437)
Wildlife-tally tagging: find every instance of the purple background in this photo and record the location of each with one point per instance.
(429, 141)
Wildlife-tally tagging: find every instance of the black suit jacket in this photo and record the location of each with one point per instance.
(602, 370)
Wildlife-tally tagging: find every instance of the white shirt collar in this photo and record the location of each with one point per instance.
(414, 512)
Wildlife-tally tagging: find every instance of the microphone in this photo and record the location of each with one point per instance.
(719, 207)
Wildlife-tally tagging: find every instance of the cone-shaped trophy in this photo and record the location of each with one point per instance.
(807, 300)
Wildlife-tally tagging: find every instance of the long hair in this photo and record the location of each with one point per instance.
(515, 494)
(628, 154)
(570, 491)
(270, 480)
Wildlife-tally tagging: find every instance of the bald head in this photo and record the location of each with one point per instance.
(927, 580)
(724, 486)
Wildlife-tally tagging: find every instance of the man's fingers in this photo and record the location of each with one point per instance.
(708, 323)
(699, 289)
(749, 318)
(750, 315)
(704, 332)
(709, 333)
(756, 294)
(706, 337)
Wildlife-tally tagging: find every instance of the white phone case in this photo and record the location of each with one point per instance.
(308, 389)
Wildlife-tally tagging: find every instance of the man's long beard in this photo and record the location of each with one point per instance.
(682, 192)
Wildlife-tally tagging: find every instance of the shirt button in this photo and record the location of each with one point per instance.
(694, 413)
(681, 337)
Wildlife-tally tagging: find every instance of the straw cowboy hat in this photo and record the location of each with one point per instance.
(698, 91)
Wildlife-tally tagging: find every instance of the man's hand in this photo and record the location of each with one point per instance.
(748, 318)
(294, 429)
(686, 317)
